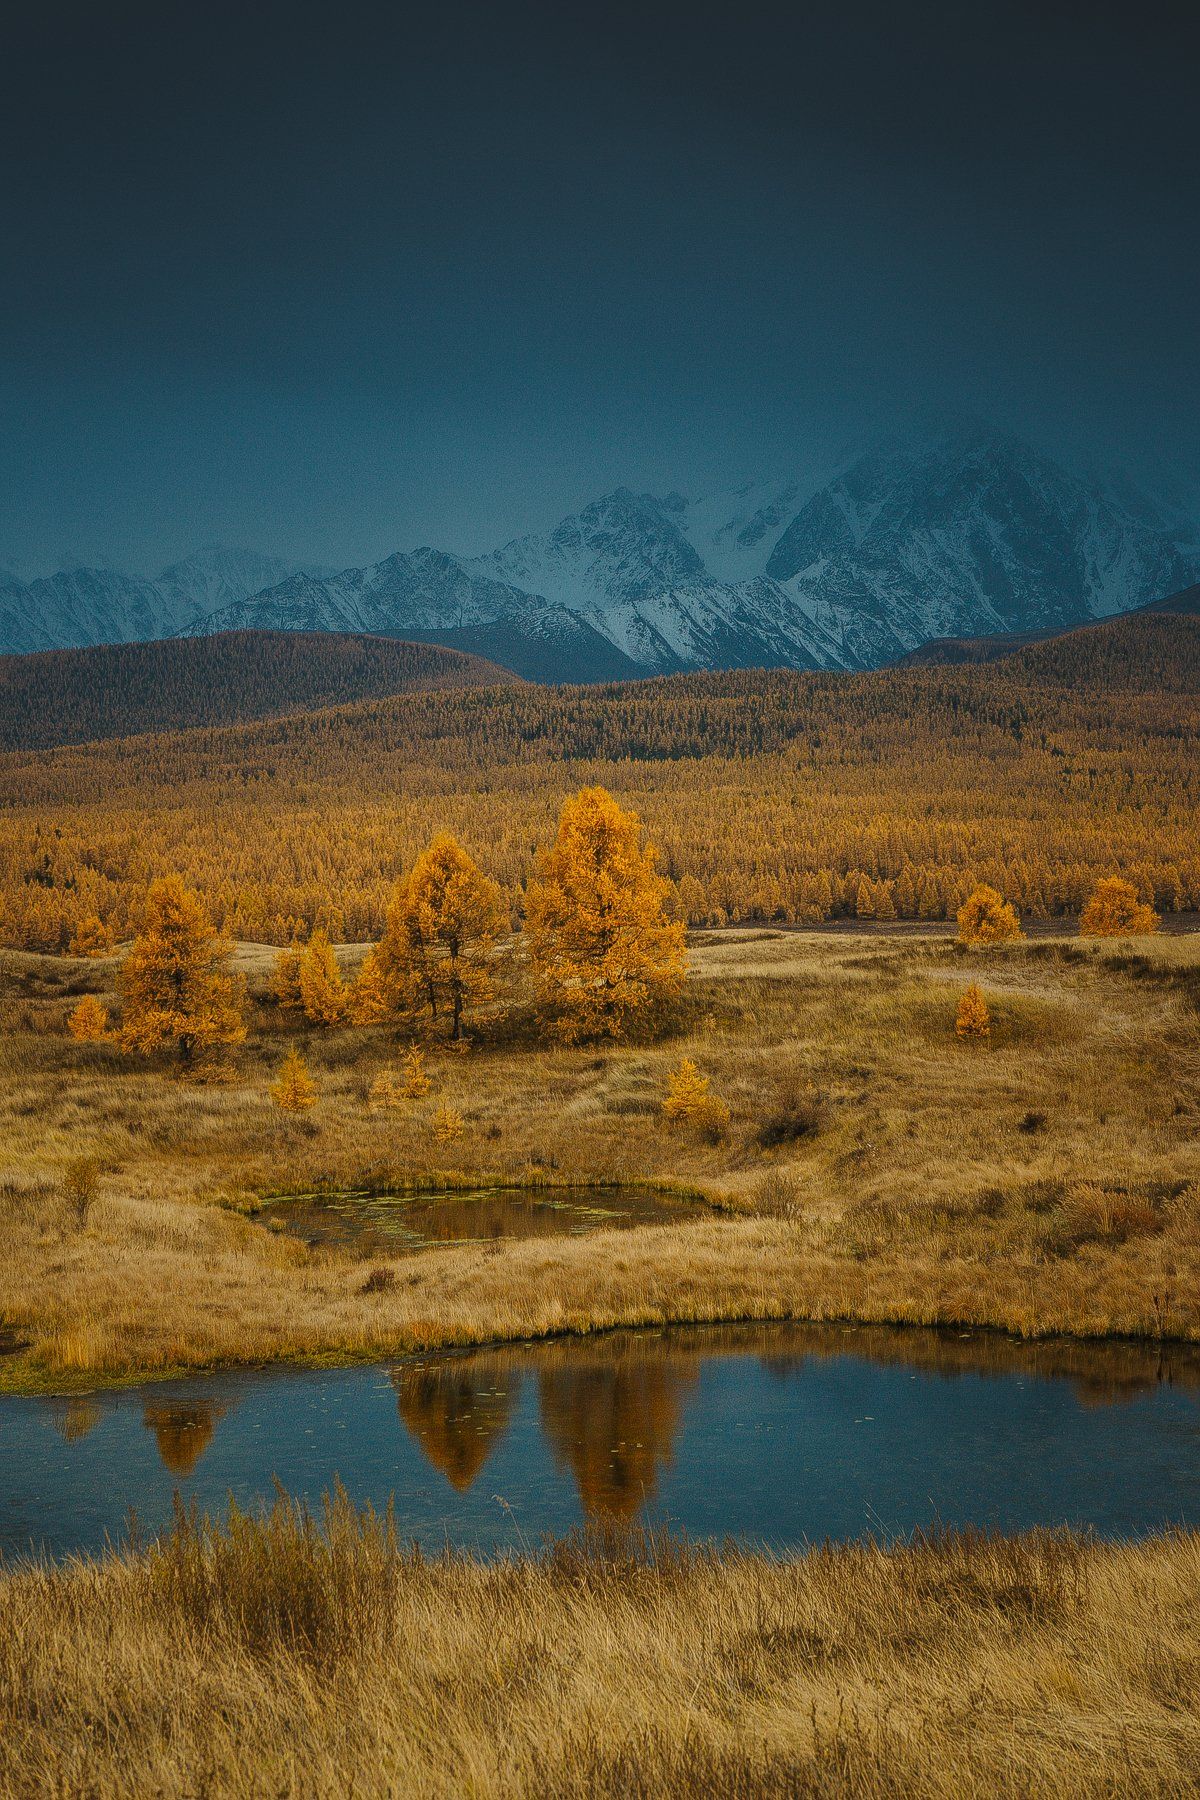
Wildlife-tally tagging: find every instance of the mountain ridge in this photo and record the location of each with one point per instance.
(966, 534)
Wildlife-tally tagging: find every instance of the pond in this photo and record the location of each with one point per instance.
(778, 1434)
(383, 1224)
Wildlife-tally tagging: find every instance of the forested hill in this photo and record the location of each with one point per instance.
(1145, 652)
(776, 795)
(120, 690)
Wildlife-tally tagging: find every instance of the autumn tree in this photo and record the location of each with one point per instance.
(324, 995)
(91, 937)
(416, 1083)
(689, 1101)
(1114, 910)
(448, 1123)
(974, 1017)
(987, 918)
(286, 978)
(89, 1021)
(602, 948)
(176, 982)
(437, 954)
(294, 1091)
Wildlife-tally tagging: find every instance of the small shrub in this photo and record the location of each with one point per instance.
(385, 1090)
(89, 1021)
(294, 1091)
(689, 1102)
(797, 1114)
(378, 1281)
(448, 1123)
(1031, 1122)
(416, 1082)
(80, 1184)
(974, 1017)
(1114, 910)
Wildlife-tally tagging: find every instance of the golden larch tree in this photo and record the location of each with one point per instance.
(437, 954)
(89, 1021)
(448, 1123)
(286, 978)
(294, 1091)
(176, 982)
(601, 945)
(323, 993)
(1114, 910)
(91, 937)
(690, 1102)
(987, 918)
(974, 1017)
(416, 1082)
(687, 1090)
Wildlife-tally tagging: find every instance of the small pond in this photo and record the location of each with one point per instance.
(778, 1434)
(379, 1224)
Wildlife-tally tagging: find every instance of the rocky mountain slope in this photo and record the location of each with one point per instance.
(966, 533)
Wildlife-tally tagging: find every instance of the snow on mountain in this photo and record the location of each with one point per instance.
(430, 595)
(974, 534)
(960, 532)
(103, 606)
(218, 576)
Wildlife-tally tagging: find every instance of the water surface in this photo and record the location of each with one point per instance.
(778, 1434)
(382, 1224)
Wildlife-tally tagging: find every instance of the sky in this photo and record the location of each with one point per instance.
(329, 280)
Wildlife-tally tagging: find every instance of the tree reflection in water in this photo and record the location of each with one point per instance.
(183, 1430)
(457, 1409)
(611, 1416)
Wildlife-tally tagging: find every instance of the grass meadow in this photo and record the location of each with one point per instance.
(1044, 1180)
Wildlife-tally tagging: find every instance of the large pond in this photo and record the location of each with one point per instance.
(778, 1434)
(382, 1224)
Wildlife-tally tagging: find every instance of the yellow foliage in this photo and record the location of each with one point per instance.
(176, 982)
(294, 1091)
(689, 1101)
(385, 1090)
(448, 1123)
(323, 994)
(437, 951)
(91, 937)
(687, 1089)
(987, 918)
(1114, 910)
(89, 1021)
(602, 948)
(416, 1081)
(974, 1018)
(286, 981)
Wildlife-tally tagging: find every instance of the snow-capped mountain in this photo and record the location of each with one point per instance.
(430, 595)
(103, 606)
(968, 532)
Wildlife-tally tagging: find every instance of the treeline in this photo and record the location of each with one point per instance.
(771, 796)
(119, 690)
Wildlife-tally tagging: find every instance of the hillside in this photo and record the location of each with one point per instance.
(944, 652)
(121, 690)
(1146, 652)
(798, 796)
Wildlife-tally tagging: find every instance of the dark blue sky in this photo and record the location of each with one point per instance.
(330, 279)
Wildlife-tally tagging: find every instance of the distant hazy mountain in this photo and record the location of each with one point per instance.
(84, 606)
(964, 533)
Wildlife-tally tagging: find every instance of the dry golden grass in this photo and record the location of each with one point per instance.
(876, 1166)
(276, 1659)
